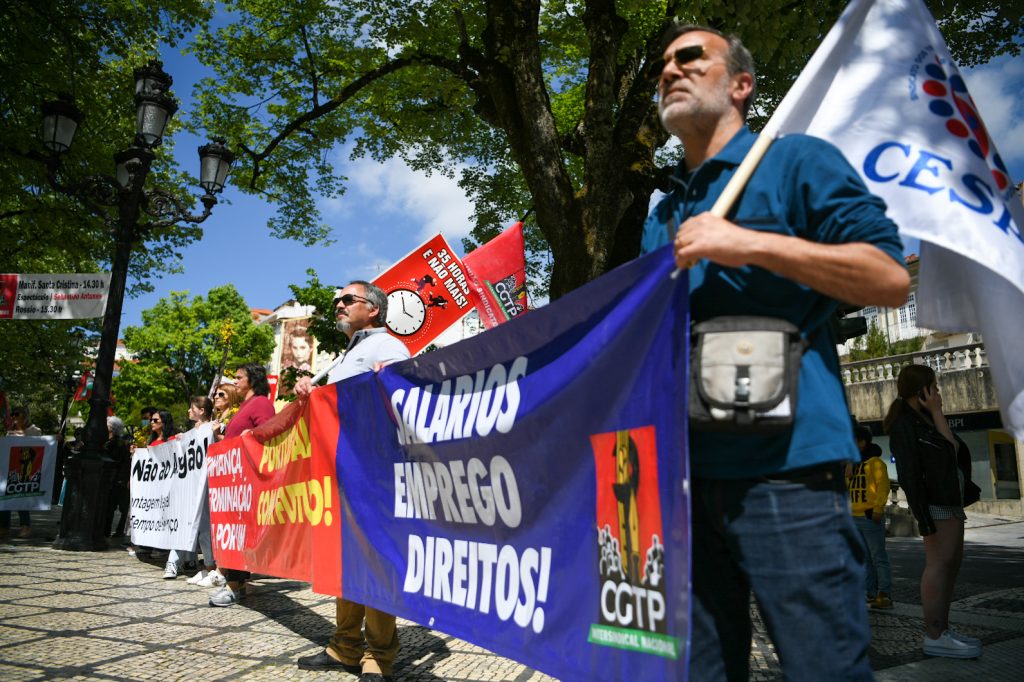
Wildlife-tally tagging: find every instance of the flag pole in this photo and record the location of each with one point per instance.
(324, 372)
(739, 179)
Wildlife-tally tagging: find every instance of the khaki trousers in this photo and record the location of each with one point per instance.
(381, 637)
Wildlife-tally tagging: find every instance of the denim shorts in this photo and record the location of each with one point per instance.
(942, 513)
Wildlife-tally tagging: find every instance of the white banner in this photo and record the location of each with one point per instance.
(168, 486)
(883, 88)
(26, 464)
(53, 297)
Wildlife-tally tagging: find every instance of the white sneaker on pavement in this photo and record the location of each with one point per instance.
(948, 647)
(966, 639)
(197, 579)
(170, 570)
(225, 596)
(213, 579)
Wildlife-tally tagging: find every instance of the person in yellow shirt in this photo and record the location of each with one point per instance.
(868, 483)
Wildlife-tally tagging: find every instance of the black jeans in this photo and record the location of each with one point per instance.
(118, 500)
(233, 575)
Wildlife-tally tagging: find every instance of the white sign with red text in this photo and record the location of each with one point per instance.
(53, 297)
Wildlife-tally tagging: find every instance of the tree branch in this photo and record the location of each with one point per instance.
(347, 93)
(314, 79)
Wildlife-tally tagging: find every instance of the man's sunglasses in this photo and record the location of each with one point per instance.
(681, 57)
(349, 299)
(685, 55)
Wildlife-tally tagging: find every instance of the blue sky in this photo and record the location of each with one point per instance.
(389, 209)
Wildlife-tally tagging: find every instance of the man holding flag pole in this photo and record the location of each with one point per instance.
(769, 512)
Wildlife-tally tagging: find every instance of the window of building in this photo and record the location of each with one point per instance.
(908, 313)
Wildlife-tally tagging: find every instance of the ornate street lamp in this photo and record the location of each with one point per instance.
(60, 121)
(214, 163)
(136, 211)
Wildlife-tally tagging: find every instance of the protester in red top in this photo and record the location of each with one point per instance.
(256, 408)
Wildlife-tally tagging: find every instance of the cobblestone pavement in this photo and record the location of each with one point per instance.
(106, 616)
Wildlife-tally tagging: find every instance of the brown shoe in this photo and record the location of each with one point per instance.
(26, 532)
(882, 601)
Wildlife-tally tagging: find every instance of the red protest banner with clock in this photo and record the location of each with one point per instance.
(428, 291)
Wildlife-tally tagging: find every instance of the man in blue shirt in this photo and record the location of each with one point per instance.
(769, 513)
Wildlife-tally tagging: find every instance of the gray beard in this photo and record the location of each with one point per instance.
(344, 327)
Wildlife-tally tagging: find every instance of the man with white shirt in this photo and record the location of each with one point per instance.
(360, 310)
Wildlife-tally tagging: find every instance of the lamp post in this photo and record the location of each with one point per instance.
(122, 202)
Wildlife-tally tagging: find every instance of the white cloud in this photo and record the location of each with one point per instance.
(998, 91)
(334, 207)
(433, 203)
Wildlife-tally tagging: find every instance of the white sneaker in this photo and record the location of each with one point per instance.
(197, 578)
(225, 596)
(948, 647)
(171, 570)
(213, 579)
(966, 639)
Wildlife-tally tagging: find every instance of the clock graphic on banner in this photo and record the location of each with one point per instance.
(407, 312)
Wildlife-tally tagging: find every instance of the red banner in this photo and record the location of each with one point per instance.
(274, 496)
(497, 272)
(84, 389)
(428, 291)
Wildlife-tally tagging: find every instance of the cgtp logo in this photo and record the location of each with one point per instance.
(24, 471)
(510, 297)
(631, 550)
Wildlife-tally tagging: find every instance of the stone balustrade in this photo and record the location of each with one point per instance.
(963, 372)
(969, 356)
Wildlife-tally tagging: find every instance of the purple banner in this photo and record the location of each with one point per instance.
(525, 489)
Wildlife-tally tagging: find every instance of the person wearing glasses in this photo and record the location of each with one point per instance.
(250, 383)
(225, 406)
(360, 310)
(161, 428)
(770, 512)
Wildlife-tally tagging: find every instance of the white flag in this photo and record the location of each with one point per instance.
(883, 88)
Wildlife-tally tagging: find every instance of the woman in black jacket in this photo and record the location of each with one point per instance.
(934, 470)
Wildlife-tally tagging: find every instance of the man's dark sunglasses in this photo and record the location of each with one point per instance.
(681, 57)
(685, 55)
(349, 299)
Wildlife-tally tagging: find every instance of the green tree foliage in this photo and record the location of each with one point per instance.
(179, 346)
(86, 49)
(544, 105)
(906, 346)
(39, 358)
(875, 344)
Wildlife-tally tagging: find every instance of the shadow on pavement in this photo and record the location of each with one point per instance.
(421, 649)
